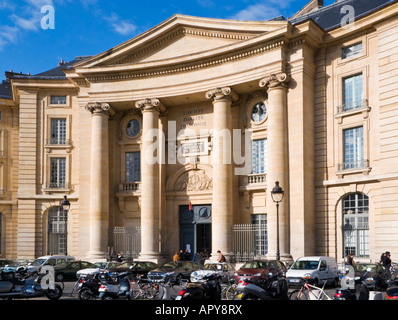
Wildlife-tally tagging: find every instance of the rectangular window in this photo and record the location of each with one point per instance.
(133, 167)
(352, 50)
(58, 131)
(353, 148)
(58, 173)
(61, 100)
(259, 156)
(259, 224)
(353, 92)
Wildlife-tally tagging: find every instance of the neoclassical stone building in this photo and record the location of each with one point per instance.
(184, 130)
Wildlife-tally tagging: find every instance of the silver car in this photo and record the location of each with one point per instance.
(224, 269)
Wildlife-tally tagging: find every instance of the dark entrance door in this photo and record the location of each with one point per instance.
(195, 228)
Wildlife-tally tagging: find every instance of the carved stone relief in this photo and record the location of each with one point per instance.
(194, 180)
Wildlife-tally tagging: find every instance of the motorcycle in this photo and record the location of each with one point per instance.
(88, 287)
(114, 286)
(273, 288)
(352, 287)
(22, 284)
(207, 289)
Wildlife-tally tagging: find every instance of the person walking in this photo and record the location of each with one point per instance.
(387, 263)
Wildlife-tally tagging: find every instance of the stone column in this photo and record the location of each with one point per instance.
(150, 180)
(276, 85)
(99, 179)
(222, 211)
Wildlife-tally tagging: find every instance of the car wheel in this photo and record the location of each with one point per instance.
(59, 277)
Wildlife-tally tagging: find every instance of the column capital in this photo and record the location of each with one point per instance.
(150, 105)
(275, 80)
(222, 94)
(100, 108)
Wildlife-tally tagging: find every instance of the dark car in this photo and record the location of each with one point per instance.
(5, 262)
(174, 271)
(67, 270)
(259, 269)
(376, 278)
(137, 268)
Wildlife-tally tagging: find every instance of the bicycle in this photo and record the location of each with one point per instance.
(141, 289)
(309, 292)
(229, 291)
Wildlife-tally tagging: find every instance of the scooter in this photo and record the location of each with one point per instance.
(23, 284)
(352, 287)
(273, 288)
(88, 287)
(207, 289)
(114, 286)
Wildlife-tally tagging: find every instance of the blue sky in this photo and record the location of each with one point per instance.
(88, 27)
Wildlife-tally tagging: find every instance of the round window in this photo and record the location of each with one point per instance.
(133, 128)
(259, 112)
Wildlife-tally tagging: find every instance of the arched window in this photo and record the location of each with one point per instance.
(56, 231)
(356, 224)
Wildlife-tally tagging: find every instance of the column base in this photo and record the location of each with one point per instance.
(97, 256)
(284, 257)
(157, 258)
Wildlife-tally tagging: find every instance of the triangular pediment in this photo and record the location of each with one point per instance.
(180, 37)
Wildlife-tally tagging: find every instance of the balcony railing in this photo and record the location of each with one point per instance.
(57, 142)
(57, 185)
(353, 106)
(130, 186)
(352, 165)
(257, 178)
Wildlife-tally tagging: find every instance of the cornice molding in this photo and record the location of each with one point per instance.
(188, 67)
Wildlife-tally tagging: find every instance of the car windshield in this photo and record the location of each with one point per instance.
(212, 266)
(305, 265)
(255, 265)
(171, 265)
(364, 267)
(38, 262)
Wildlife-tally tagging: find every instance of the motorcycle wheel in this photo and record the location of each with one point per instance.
(250, 297)
(84, 294)
(54, 294)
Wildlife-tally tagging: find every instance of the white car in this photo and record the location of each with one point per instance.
(98, 266)
(48, 261)
(223, 269)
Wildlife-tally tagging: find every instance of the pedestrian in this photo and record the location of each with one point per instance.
(350, 260)
(221, 257)
(187, 255)
(181, 255)
(176, 256)
(119, 257)
(387, 263)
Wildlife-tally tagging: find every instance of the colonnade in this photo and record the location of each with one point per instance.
(222, 211)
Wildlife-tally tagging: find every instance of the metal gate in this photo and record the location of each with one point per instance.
(127, 241)
(249, 241)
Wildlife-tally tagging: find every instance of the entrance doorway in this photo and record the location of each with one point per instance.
(195, 228)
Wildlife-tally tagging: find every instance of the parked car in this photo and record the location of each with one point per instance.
(314, 269)
(259, 269)
(223, 269)
(48, 260)
(174, 271)
(67, 270)
(376, 279)
(13, 265)
(5, 262)
(137, 268)
(97, 266)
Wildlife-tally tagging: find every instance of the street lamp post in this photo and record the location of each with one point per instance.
(65, 205)
(277, 196)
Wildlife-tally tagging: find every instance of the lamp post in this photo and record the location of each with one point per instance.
(277, 196)
(65, 205)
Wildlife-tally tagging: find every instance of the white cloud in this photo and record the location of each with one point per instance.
(120, 26)
(263, 10)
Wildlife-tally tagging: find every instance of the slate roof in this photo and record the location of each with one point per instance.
(330, 17)
(5, 90)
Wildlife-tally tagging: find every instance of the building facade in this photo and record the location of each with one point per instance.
(184, 130)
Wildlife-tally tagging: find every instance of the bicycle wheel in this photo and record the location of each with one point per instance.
(230, 292)
(298, 294)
